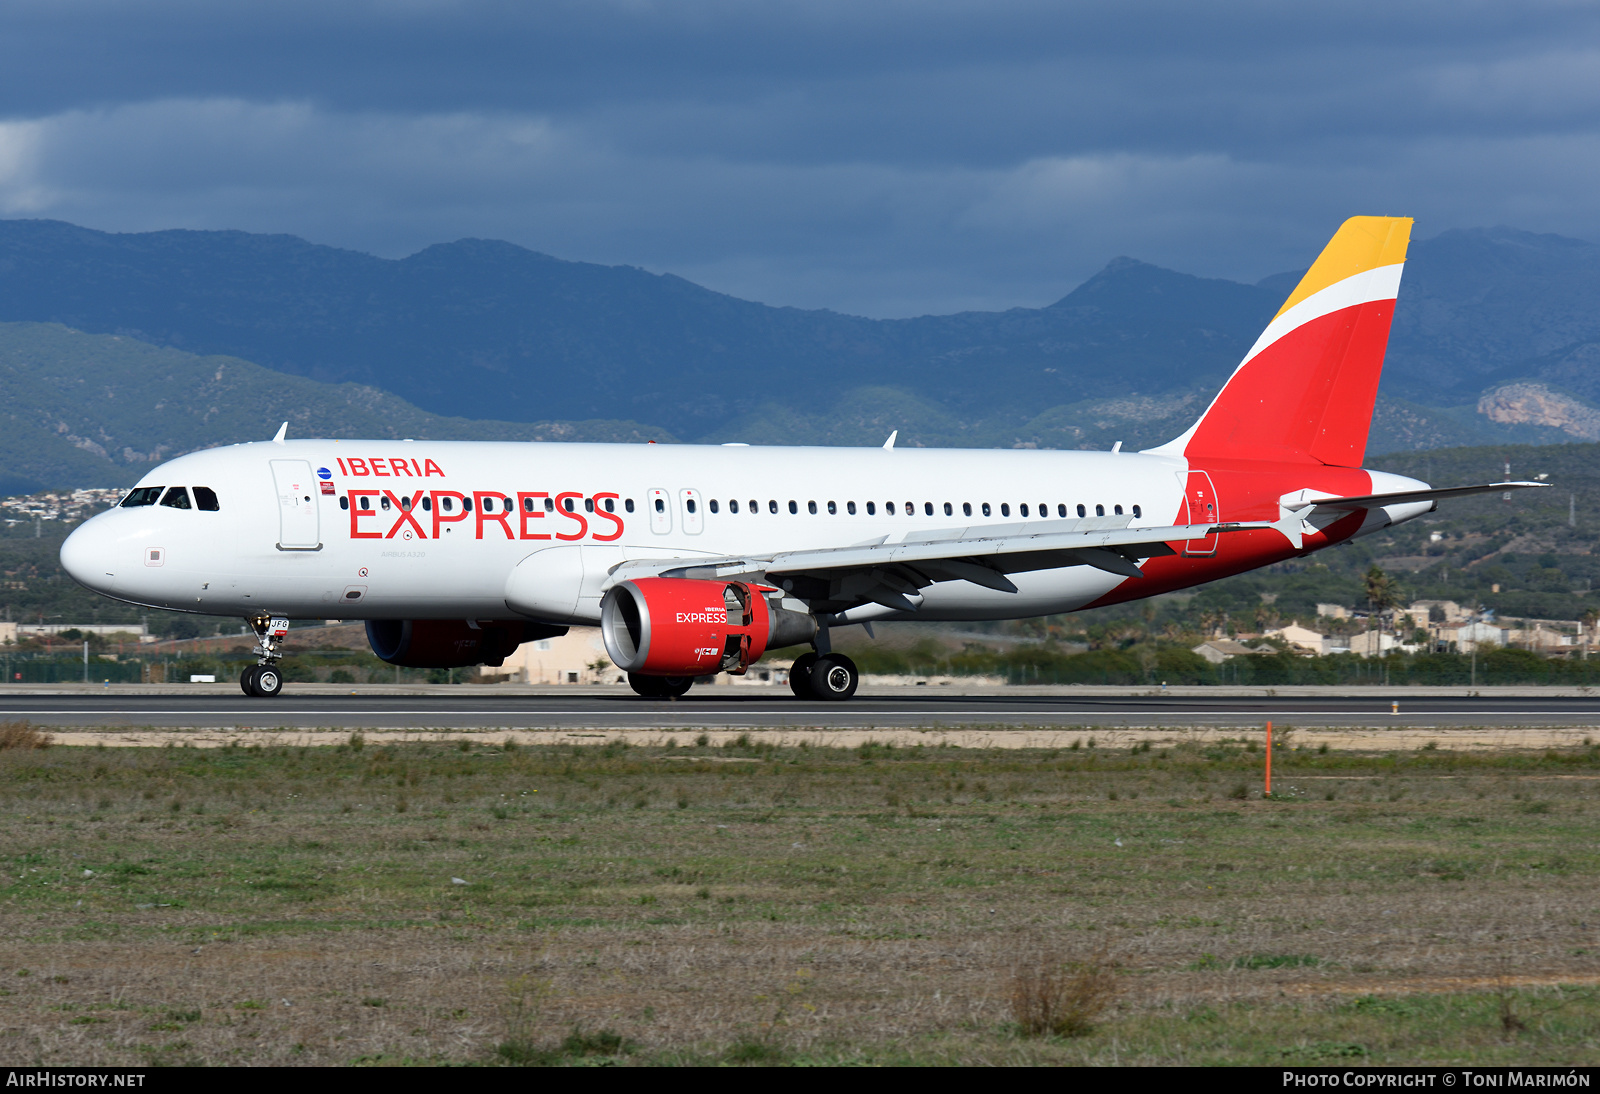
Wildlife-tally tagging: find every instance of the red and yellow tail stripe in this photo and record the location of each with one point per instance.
(1305, 391)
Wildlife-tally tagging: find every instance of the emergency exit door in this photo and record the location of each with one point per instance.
(1203, 509)
(299, 527)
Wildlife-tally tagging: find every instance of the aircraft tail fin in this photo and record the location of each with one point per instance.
(1305, 391)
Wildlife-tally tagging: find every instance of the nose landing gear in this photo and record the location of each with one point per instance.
(263, 680)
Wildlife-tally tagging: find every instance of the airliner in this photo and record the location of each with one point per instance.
(697, 559)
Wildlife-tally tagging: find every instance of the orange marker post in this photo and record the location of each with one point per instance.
(1269, 759)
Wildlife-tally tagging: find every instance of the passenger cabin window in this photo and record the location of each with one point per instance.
(872, 508)
(661, 505)
(888, 507)
(850, 507)
(1136, 512)
(948, 511)
(611, 505)
(833, 509)
(1117, 509)
(1005, 509)
(713, 504)
(772, 506)
(427, 505)
(793, 508)
(527, 505)
(205, 499)
(986, 509)
(344, 502)
(911, 508)
(811, 507)
(366, 503)
(628, 505)
(144, 495)
(1023, 509)
(569, 507)
(927, 508)
(383, 503)
(733, 505)
(1061, 510)
(405, 503)
(966, 508)
(176, 498)
(588, 505)
(466, 504)
(1099, 510)
(1082, 512)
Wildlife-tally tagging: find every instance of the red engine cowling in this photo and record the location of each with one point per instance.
(671, 626)
(452, 643)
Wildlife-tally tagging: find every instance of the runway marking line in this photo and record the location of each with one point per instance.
(196, 712)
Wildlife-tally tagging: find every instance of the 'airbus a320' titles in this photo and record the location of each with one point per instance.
(697, 559)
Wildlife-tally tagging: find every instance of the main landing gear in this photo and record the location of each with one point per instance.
(263, 680)
(832, 677)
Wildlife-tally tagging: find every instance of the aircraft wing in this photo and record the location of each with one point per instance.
(889, 573)
(1377, 501)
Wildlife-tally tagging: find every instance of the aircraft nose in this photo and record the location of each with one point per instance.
(88, 558)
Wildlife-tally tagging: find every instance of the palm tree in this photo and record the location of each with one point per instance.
(1383, 594)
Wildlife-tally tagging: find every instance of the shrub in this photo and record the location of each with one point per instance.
(21, 735)
(1063, 1000)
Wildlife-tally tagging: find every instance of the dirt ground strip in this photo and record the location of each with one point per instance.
(1358, 739)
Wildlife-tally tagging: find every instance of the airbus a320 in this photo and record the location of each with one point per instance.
(696, 559)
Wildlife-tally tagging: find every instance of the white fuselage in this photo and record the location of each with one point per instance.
(289, 536)
(432, 564)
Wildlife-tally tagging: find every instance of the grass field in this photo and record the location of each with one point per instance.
(479, 904)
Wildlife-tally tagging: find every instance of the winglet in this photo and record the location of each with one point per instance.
(283, 431)
(890, 442)
(1290, 526)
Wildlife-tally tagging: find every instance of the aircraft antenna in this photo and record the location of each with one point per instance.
(283, 432)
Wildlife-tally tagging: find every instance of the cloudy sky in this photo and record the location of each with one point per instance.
(882, 158)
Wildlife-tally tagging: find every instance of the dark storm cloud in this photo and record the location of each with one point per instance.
(887, 158)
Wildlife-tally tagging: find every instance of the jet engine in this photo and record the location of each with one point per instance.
(671, 626)
(451, 643)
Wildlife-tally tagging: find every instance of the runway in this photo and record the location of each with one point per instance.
(463, 708)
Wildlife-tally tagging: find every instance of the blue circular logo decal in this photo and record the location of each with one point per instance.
(324, 473)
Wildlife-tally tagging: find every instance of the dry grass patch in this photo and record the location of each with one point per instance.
(1063, 999)
(21, 735)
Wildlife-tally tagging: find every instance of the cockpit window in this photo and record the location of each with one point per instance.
(205, 499)
(144, 495)
(176, 498)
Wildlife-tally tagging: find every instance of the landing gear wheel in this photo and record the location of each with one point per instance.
(262, 681)
(244, 679)
(800, 676)
(648, 686)
(269, 681)
(660, 687)
(834, 677)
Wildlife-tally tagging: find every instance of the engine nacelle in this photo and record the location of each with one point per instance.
(674, 626)
(452, 643)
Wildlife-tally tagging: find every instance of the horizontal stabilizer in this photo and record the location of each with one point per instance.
(1378, 501)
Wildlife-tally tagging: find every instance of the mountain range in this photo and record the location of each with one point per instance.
(107, 340)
